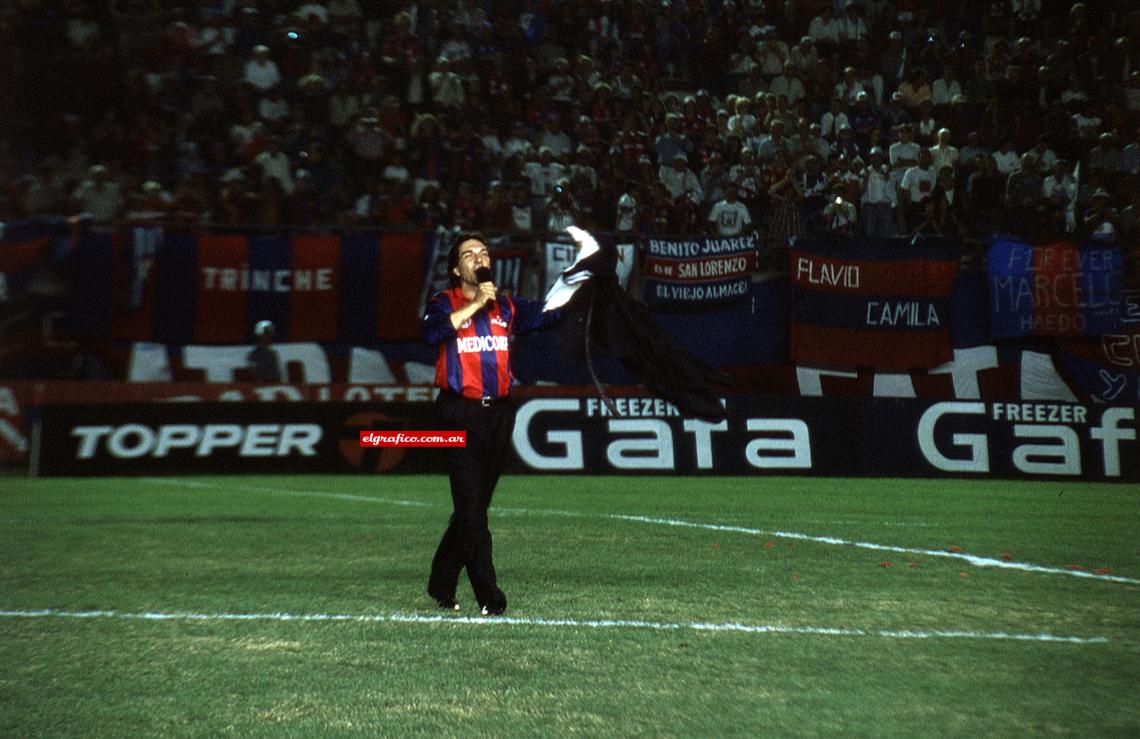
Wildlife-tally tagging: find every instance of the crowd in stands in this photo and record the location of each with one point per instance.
(674, 117)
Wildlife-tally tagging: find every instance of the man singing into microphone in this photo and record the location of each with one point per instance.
(472, 324)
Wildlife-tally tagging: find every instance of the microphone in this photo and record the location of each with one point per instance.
(483, 274)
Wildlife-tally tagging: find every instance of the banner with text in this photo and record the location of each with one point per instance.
(1063, 289)
(700, 270)
(577, 434)
(153, 285)
(872, 303)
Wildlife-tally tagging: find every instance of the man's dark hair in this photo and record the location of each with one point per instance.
(453, 254)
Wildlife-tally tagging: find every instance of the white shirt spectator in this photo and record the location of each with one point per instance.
(557, 141)
(679, 182)
(1007, 162)
(830, 123)
(824, 30)
(903, 151)
(262, 73)
(626, 213)
(942, 92)
(447, 88)
(543, 176)
(102, 199)
(919, 183)
(729, 218)
(879, 188)
(852, 27)
(517, 145)
(316, 9)
(944, 156)
(789, 86)
(277, 166)
(397, 173)
(1063, 189)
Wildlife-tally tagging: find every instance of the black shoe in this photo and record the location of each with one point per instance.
(493, 610)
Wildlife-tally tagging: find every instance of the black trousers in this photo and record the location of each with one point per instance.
(474, 471)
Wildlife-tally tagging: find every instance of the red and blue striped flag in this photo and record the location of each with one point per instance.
(871, 303)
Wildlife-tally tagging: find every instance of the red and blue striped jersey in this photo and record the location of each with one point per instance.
(474, 361)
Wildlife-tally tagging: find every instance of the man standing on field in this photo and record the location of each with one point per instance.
(472, 324)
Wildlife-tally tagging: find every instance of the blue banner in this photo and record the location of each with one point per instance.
(1062, 289)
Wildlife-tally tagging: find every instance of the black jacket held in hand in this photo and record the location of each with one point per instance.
(620, 327)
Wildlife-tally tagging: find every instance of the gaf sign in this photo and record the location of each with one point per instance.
(1047, 437)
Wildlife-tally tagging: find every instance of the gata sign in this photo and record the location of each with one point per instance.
(580, 435)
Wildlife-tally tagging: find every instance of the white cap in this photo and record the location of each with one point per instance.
(263, 327)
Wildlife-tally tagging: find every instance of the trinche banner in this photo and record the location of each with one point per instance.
(147, 284)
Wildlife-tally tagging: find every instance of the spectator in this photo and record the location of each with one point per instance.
(785, 201)
(894, 116)
(99, 195)
(522, 213)
(729, 217)
(555, 139)
(986, 193)
(788, 84)
(264, 363)
(1106, 157)
(628, 210)
(840, 216)
(561, 210)
(916, 187)
(673, 141)
(678, 178)
(848, 88)
(1059, 194)
(1023, 193)
(495, 215)
(948, 203)
(275, 164)
(945, 88)
(904, 152)
(943, 154)
(1006, 158)
(879, 197)
(915, 89)
(972, 150)
(1099, 221)
(261, 71)
(852, 27)
(812, 186)
(447, 89)
(824, 29)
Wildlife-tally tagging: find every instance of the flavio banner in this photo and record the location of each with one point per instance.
(871, 303)
(147, 284)
(1062, 289)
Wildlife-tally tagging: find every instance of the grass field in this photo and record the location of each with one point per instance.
(654, 606)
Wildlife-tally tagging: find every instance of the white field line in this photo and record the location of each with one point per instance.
(971, 559)
(399, 618)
